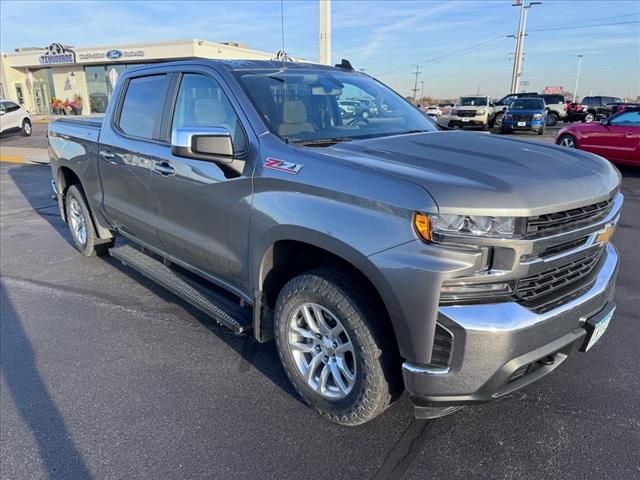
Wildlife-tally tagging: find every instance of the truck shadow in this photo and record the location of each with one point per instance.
(59, 455)
(252, 354)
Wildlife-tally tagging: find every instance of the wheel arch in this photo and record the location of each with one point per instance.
(285, 257)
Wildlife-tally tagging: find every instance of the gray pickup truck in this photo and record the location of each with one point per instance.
(381, 254)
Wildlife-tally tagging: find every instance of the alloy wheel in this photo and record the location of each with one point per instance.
(322, 351)
(78, 222)
(568, 142)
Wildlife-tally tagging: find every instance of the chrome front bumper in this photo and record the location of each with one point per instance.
(493, 341)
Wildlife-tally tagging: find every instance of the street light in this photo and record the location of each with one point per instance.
(522, 27)
(575, 90)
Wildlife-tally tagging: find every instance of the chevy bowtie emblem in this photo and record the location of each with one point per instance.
(604, 235)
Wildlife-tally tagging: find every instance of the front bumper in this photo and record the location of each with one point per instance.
(535, 125)
(499, 348)
(462, 122)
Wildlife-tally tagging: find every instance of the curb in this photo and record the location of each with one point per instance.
(24, 160)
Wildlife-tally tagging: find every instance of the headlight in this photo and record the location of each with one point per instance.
(464, 225)
(481, 111)
(537, 116)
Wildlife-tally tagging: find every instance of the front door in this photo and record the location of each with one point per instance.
(625, 136)
(203, 207)
(126, 157)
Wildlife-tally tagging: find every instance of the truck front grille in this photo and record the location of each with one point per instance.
(466, 113)
(553, 281)
(573, 217)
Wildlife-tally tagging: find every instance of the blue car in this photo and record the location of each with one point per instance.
(525, 114)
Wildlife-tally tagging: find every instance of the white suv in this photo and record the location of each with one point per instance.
(14, 117)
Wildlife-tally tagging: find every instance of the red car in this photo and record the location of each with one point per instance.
(616, 138)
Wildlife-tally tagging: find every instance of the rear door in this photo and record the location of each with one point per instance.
(127, 147)
(203, 207)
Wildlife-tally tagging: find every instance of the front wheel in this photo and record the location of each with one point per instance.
(26, 128)
(589, 117)
(552, 119)
(498, 120)
(334, 349)
(567, 141)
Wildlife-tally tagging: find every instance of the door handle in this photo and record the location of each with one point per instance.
(107, 155)
(164, 169)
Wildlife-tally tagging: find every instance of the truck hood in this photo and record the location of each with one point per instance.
(484, 174)
(525, 112)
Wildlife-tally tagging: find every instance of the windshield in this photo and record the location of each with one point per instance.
(302, 106)
(527, 104)
(472, 102)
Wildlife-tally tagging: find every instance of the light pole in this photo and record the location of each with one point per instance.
(325, 31)
(522, 27)
(575, 90)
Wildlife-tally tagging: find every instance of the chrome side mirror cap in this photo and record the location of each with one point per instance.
(203, 143)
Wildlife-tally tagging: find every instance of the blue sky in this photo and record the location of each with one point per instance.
(461, 45)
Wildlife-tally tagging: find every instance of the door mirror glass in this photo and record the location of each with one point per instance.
(203, 143)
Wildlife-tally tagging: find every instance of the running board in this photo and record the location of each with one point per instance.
(220, 308)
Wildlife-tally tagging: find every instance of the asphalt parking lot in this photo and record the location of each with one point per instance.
(108, 376)
(38, 138)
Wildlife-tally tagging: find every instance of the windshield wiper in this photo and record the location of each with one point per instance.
(321, 141)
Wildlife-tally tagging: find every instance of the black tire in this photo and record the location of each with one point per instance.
(552, 119)
(497, 120)
(485, 126)
(589, 117)
(567, 141)
(92, 245)
(541, 131)
(26, 128)
(377, 372)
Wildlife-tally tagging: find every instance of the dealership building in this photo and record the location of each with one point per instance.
(63, 79)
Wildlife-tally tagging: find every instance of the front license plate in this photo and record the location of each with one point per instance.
(596, 328)
(465, 119)
(522, 124)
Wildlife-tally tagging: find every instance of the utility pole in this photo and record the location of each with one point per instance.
(575, 90)
(415, 83)
(325, 31)
(522, 27)
(421, 89)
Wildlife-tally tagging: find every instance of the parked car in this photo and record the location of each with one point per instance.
(525, 114)
(472, 111)
(616, 138)
(501, 105)
(556, 105)
(433, 111)
(381, 256)
(556, 108)
(621, 107)
(14, 118)
(596, 107)
(355, 108)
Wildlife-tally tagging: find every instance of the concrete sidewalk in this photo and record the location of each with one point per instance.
(24, 155)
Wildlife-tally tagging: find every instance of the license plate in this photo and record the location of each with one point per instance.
(522, 124)
(596, 328)
(465, 119)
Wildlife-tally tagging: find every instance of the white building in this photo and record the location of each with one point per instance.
(83, 77)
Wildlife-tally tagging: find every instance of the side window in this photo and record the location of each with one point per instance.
(627, 119)
(202, 103)
(142, 106)
(11, 107)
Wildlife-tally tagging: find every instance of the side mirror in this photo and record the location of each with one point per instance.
(492, 104)
(504, 109)
(203, 143)
(604, 121)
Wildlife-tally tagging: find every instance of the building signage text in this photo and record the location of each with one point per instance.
(111, 55)
(56, 54)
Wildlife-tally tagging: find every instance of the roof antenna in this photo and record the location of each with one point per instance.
(282, 54)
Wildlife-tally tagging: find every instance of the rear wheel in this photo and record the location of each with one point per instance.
(333, 348)
(568, 141)
(26, 128)
(81, 225)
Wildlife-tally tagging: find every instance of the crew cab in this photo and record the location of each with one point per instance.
(525, 114)
(556, 106)
(381, 254)
(616, 138)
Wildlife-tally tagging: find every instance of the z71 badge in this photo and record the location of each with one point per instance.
(282, 166)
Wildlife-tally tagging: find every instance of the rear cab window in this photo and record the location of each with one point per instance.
(141, 110)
